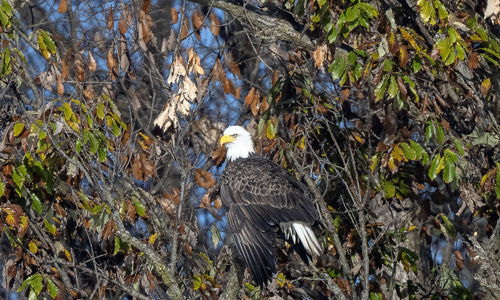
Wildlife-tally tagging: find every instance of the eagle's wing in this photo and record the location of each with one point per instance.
(256, 247)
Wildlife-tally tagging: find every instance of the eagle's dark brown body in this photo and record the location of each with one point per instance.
(261, 199)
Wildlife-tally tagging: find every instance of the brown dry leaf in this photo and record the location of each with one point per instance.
(64, 69)
(60, 86)
(111, 20)
(148, 167)
(122, 25)
(232, 64)
(218, 155)
(146, 5)
(250, 97)
(108, 229)
(402, 88)
(319, 56)
(131, 213)
(59, 210)
(228, 86)
(92, 65)
(473, 60)
(197, 19)
(255, 104)
(111, 61)
(276, 76)
(205, 201)
(88, 92)
(403, 56)
(214, 24)
(124, 60)
(63, 7)
(204, 178)
(264, 105)
(218, 203)
(136, 168)
(194, 62)
(79, 69)
(145, 33)
(184, 30)
(174, 15)
(345, 93)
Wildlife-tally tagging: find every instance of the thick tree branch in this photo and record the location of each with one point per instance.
(266, 27)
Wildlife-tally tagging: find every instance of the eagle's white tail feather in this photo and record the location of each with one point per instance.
(307, 238)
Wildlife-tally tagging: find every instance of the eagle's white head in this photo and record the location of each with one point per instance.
(238, 142)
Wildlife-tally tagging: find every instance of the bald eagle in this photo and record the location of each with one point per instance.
(263, 201)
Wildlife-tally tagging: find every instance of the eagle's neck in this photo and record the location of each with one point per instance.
(242, 148)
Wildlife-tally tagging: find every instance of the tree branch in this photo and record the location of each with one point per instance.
(266, 27)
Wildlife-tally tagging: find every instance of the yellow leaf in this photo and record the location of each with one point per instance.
(33, 247)
(68, 255)
(152, 238)
(302, 143)
(358, 138)
(270, 130)
(18, 128)
(398, 154)
(412, 227)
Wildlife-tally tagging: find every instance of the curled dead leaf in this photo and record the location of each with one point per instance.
(204, 178)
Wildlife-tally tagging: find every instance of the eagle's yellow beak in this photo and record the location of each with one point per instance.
(226, 139)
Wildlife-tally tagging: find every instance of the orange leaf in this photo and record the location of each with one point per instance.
(111, 20)
(214, 24)
(249, 98)
(218, 203)
(146, 5)
(122, 25)
(63, 7)
(60, 86)
(64, 69)
(174, 15)
(108, 230)
(197, 19)
(218, 155)
(204, 178)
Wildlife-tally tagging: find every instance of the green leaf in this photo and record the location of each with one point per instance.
(50, 228)
(139, 208)
(2, 188)
(445, 48)
(376, 296)
(370, 11)
(100, 111)
(78, 146)
(52, 288)
(412, 86)
(47, 39)
(449, 172)
(196, 282)
(440, 137)
(18, 128)
(36, 283)
(389, 189)
(352, 13)
(450, 155)
(418, 149)
(338, 67)
(393, 88)
(442, 12)
(409, 152)
(460, 51)
(67, 111)
(388, 65)
(433, 170)
(416, 65)
(381, 88)
(427, 12)
(36, 204)
(116, 129)
(94, 143)
(429, 131)
(117, 245)
(459, 146)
